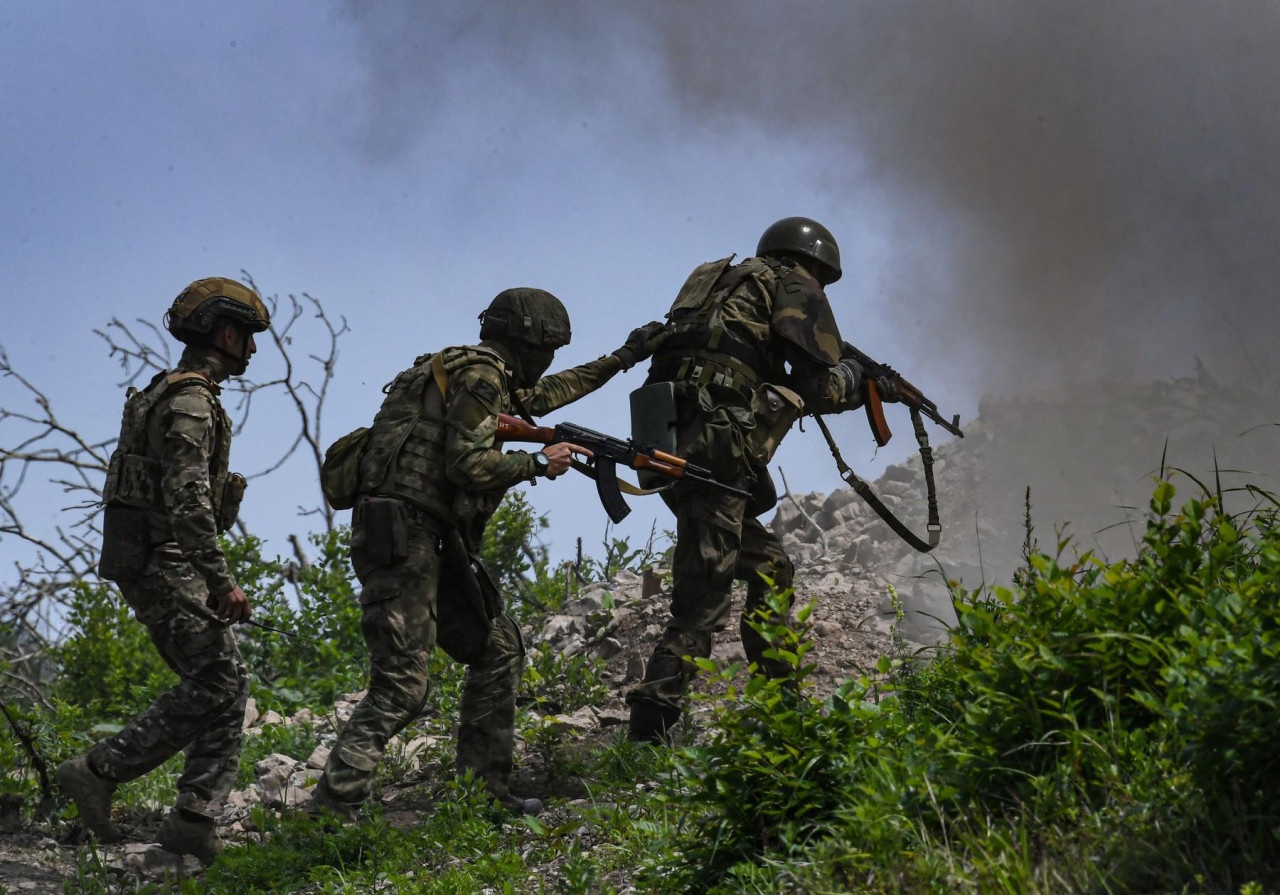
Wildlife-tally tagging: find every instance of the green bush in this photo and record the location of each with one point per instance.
(1105, 726)
(107, 665)
(329, 658)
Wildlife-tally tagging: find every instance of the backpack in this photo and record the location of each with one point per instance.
(340, 472)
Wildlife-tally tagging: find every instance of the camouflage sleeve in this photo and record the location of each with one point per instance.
(184, 484)
(824, 389)
(555, 391)
(476, 396)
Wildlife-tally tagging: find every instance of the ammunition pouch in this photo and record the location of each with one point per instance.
(340, 472)
(133, 480)
(232, 496)
(380, 527)
(653, 425)
(467, 601)
(774, 409)
(126, 543)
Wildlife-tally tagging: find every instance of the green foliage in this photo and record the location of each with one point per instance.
(108, 666)
(1106, 726)
(517, 560)
(559, 683)
(330, 657)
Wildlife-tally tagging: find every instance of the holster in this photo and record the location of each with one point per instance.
(126, 533)
(381, 528)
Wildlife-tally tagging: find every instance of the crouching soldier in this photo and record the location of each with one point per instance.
(431, 473)
(168, 495)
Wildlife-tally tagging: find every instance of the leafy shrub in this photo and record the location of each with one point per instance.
(329, 658)
(107, 665)
(1106, 726)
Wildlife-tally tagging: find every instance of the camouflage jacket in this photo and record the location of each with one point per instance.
(753, 322)
(444, 456)
(172, 460)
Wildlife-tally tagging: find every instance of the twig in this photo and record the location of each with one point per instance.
(786, 492)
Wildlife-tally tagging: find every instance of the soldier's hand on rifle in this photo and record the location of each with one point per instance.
(887, 386)
(560, 455)
(640, 345)
(232, 607)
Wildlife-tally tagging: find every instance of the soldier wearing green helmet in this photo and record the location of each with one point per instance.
(752, 346)
(431, 473)
(167, 496)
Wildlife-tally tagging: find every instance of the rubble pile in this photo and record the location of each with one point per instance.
(1090, 457)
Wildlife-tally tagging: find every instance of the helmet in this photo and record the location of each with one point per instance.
(533, 316)
(802, 236)
(196, 310)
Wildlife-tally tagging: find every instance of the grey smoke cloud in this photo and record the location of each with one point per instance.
(1071, 190)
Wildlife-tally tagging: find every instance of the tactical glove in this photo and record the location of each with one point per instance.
(640, 345)
(851, 370)
(887, 386)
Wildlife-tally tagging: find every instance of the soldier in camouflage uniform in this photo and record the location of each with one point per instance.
(431, 475)
(168, 495)
(752, 346)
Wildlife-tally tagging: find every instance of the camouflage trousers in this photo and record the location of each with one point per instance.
(204, 712)
(404, 605)
(716, 544)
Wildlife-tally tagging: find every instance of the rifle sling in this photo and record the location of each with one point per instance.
(623, 485)
(863, 488)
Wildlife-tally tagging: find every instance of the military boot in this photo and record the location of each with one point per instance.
(323, 806)
(188, 833)
(92, 795)
(652, 723)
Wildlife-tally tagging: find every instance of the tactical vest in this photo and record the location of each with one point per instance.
(701, 348)
(404, 456)
(134, 471)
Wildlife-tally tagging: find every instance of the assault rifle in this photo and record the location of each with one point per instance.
(907, 393)
(607, 453)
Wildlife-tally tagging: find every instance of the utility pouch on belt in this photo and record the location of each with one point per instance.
(653, 424)
(774, 409)
(126, 534)
(382, 530)
(467, 603)
(340, 472)
(232, 496)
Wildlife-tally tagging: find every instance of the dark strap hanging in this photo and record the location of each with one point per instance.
(864, 488)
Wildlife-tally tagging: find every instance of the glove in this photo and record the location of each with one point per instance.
(887, 386)
(851, 371)
(640, 345)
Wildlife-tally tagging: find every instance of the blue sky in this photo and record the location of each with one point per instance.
(1026, 196)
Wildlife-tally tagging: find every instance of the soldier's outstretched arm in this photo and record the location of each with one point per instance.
(186, 489)
(555, 391)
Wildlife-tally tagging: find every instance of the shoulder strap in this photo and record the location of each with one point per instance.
(438, 373)
(183, 378)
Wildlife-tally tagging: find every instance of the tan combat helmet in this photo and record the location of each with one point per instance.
(194, 313)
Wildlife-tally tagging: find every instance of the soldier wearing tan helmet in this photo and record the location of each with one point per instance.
(431, 474)
(752, 346)
(168, 495)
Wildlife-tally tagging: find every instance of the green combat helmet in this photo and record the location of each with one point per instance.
(533, 317)
(803, 236)
(197, 308)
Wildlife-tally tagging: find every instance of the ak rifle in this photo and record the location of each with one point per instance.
(907, 393)
(607, 453)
